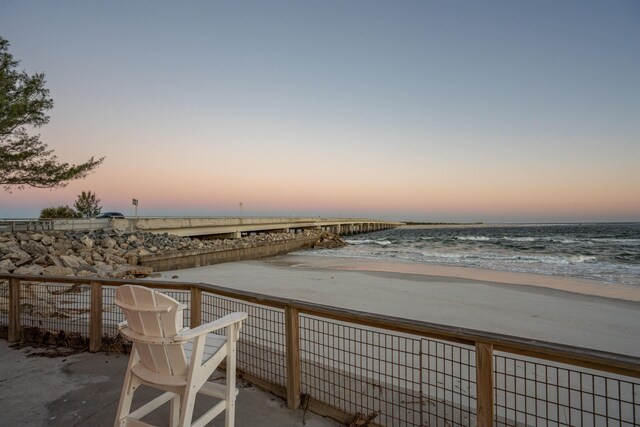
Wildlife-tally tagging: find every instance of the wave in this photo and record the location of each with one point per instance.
(565, 241)
(474, 238)
(583, 258)
(520, 239)
(368, 242)
(615, 240)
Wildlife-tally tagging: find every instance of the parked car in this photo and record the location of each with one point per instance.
(110, 215)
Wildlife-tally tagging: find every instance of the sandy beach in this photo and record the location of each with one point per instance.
(557, 309)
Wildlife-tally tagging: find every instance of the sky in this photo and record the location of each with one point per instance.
(453, 111)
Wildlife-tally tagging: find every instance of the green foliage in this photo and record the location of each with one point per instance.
(24, 159)
(58, 212)
(87, 204)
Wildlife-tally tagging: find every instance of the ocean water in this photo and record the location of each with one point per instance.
(608, 252)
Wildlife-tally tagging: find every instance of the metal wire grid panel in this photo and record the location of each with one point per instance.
(261, 347)
(449, 383)
(358, 370)
(529, 392)
(4, 303)
(56, 307)
(111, 314)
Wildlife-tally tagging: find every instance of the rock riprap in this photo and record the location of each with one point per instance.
(112, 253)
(103, 253)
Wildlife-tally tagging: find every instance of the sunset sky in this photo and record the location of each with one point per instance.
(506, 111)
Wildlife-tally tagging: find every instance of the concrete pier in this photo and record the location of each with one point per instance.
(236, 227)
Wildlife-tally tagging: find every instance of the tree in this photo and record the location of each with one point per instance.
(58, 212)
(87, 204)
(24, 159)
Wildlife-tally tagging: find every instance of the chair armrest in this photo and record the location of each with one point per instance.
(223, 322)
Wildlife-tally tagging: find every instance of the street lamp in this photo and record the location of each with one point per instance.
(134, 202)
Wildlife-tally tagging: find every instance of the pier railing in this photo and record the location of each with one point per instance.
(355, 365)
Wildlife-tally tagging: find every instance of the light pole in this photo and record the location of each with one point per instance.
(135, 203)
(240, 209)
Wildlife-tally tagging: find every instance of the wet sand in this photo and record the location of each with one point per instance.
(557, 309)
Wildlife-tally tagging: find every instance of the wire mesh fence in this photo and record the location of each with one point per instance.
(449, 376)
(4, 303)
(261, 347)
(401, 379)
(55, 311)
(111, 314)
(361, 370)
(534, 392)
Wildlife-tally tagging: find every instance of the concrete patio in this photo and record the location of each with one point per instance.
(83, 389)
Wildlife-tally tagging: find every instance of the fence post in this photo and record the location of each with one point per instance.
(196, 307)
(95, 330)
(292, 334)
(14, 310)
(484, 384)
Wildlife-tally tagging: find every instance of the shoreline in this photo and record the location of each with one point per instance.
(562, 283)
(609, 322)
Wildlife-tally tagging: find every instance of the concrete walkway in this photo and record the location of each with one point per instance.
(83, 389)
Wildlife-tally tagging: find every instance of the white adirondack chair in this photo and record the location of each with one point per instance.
(176, 360)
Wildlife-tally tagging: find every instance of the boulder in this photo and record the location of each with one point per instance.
(131, 257)
(19, 257)
(71, 261)
(85, 273)
(87, 241)
(36, 236)
(47, 240)
(6, 266)
(86, 267)
(22, 236)
(108, 243)
(116, 259)
(42, 260)
(61, 246)
(33, 248)
(104, 270)
(54, 270)
(55, 260)
(33, 269)
(9, 247)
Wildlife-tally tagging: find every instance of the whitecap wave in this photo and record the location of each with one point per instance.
(520, 239)
(615, 240)
(474, 238)
(583, 259)
(368, 242)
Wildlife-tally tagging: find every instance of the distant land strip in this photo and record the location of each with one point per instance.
(442, 223)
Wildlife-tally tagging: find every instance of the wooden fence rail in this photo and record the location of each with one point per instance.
(484, 343)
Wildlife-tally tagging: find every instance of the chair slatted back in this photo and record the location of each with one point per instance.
(145, 316)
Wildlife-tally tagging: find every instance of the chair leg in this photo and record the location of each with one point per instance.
(174, 412)
(230, 412)
(126, 397)
(188, 402)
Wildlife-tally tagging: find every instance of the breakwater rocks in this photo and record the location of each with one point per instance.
(111, 253)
